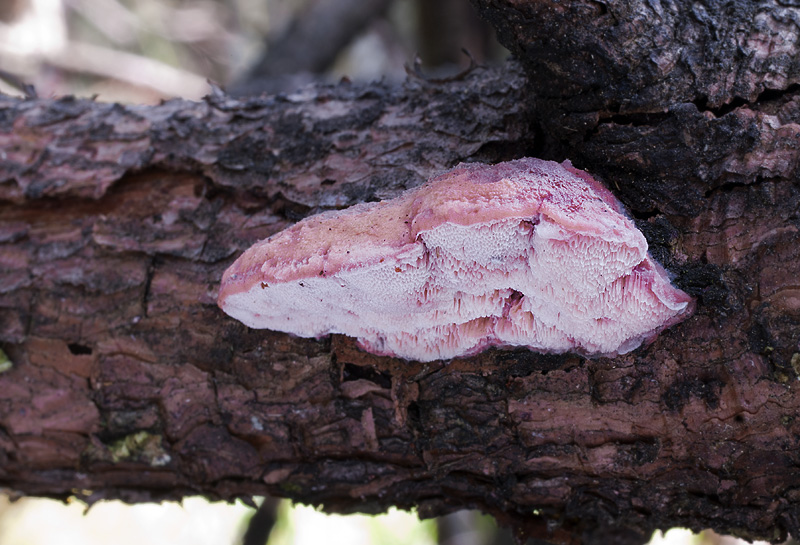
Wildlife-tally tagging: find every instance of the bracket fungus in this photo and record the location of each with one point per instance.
(525, 253)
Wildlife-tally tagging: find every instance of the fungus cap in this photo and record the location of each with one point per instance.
(525, 253)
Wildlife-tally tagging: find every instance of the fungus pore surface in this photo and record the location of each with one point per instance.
(525, 253)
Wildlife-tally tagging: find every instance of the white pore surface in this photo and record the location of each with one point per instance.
(459, 289)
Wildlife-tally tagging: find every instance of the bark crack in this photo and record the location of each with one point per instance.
(151, 268)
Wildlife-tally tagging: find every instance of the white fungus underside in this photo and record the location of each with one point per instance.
(459, 289)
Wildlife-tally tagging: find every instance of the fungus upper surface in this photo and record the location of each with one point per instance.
(525, 253)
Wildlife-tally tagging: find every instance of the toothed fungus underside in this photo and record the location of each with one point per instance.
(525, 253)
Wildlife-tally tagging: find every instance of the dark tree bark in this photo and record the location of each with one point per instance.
(117, 222)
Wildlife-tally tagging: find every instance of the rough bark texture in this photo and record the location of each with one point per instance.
(127, 381)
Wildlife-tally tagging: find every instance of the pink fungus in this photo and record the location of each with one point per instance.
(525, 253)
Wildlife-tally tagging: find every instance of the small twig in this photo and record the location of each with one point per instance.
(15, 81)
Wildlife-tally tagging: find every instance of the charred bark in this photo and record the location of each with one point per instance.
(126, 380)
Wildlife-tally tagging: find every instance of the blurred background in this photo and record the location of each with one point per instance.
(146, 51)
(142, 51)
(31, 521)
